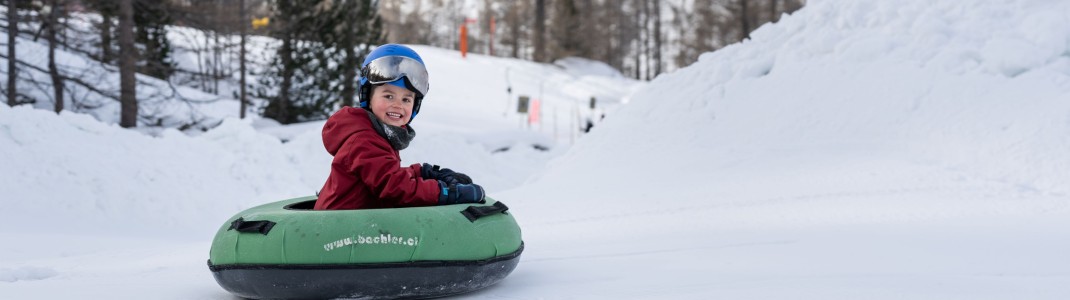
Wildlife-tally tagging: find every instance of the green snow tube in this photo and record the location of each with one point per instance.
(287, 250)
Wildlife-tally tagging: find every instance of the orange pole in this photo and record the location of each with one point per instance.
(464, 40)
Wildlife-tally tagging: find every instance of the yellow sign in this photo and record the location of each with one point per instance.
(261, 22)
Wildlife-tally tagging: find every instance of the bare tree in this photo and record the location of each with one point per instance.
(414, 27)
(105, 37)
(107, 9)
(540, 31)
(565, 31)
(625, 33)
(644, 41)
(657, 37)
(12, 34)
(639, 40)
(514, 12)
(773, 12)
(744, 18)
(127, 65)
(50, 26)
(488, 22)
(241, 57)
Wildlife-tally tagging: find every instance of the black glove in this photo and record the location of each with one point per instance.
(459, 193)
(428, 171)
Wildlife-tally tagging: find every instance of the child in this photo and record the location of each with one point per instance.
(366, 171)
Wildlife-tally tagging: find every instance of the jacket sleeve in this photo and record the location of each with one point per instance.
(371, 159)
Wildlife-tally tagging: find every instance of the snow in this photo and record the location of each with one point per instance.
(857, 149)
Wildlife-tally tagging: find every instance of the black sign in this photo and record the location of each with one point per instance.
(522, 104)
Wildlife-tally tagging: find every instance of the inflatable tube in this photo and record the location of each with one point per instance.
(287, 250)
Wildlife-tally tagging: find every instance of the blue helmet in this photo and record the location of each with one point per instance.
(397, 65)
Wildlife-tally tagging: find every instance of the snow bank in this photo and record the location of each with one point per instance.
(848, 111)
(25, 274)
(75, 170)
(857, 149)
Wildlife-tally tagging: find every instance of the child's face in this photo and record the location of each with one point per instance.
(392, 104)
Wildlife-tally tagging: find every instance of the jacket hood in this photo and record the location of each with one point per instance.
(343, 124)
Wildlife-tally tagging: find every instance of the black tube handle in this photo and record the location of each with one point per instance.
(473, 213)
(243, 226)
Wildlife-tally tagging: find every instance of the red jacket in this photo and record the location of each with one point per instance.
(366, 171)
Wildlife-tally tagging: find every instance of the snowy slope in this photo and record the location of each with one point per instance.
(855, 150)
(860, 98)
(858, 149)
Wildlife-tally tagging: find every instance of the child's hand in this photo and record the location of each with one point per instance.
(428, 171)
(460, 193)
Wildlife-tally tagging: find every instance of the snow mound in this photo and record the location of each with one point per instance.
(921, 109)
(26, 274)
(171, 181)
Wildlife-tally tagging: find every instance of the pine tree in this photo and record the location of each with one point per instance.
(108, 9)
(349, 31)
(290, 24)
(315, 68)
(150, 18)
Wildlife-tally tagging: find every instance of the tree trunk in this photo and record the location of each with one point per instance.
(12, 33)
(514, 28)
(638, 41)
(540, 31)
(127, 65)
(744, 19)
(217, 64)
(657, 37)
(793, 5)
(622, 39)
(773, 12)
(241, 57)
(644, 40)
(204, 65)
(51, 26)
(105, 38)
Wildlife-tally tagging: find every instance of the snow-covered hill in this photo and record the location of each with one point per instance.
(855, 150)
(909, 149)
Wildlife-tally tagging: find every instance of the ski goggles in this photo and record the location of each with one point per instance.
(391, 68)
